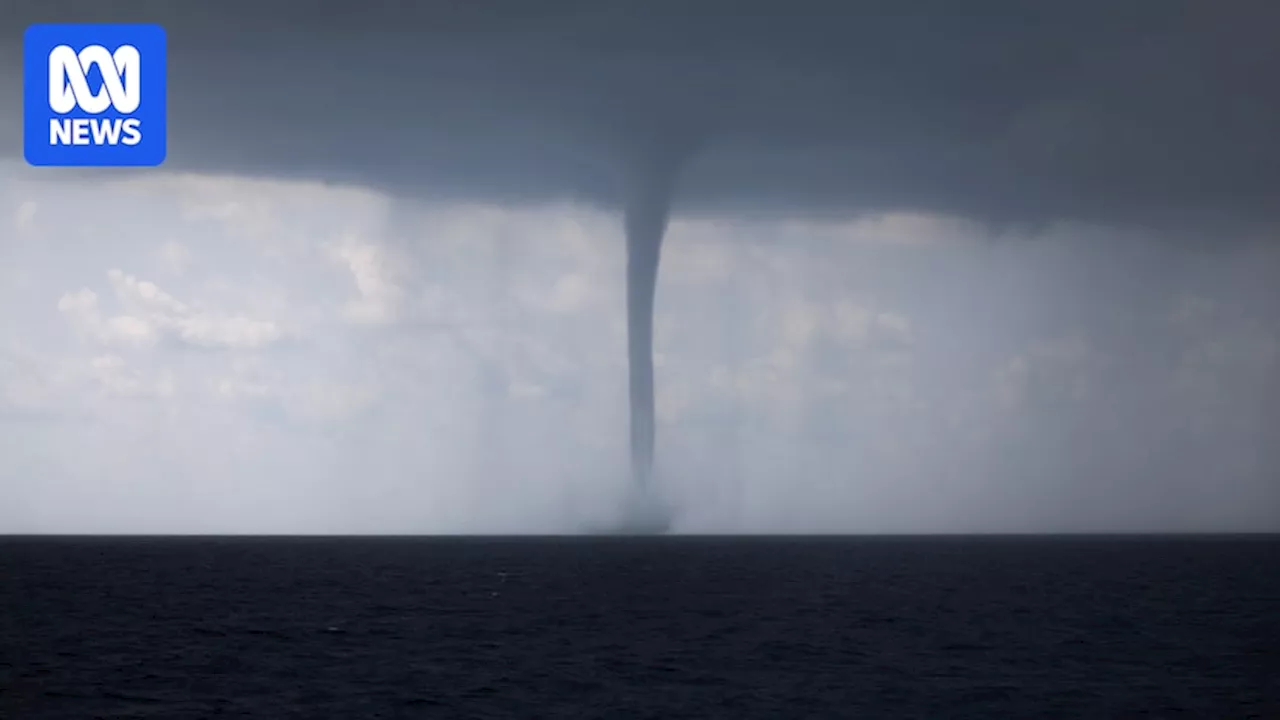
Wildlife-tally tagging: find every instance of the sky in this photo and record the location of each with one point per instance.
(199, 353)
(985, 268)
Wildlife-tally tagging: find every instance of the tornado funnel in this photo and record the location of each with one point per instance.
(645, 215)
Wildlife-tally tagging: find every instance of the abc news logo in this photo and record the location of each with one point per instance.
(95, 95)
(69, 89)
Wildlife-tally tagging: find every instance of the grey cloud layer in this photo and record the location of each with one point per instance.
(1151, 111)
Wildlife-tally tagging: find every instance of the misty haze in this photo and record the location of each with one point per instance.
(263, 356)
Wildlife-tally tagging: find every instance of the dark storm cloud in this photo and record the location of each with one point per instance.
(1160, 112)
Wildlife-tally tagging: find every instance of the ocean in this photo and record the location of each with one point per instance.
(659, 627)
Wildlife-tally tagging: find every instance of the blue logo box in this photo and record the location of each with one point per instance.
(94, 95)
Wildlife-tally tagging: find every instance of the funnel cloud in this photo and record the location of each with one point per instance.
(645, 224)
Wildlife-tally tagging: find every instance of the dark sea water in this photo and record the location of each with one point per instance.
(640, 628)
